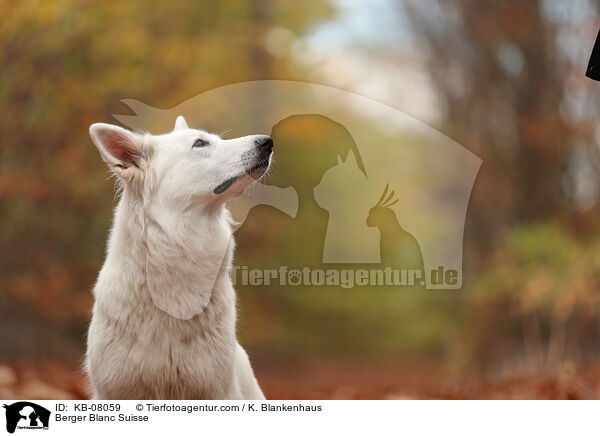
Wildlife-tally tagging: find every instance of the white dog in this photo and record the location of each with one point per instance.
(163, 324)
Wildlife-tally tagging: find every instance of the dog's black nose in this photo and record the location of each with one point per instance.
(264, 142)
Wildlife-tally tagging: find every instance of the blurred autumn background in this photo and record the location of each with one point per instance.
(503, 79)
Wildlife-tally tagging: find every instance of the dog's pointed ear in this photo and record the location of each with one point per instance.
(180, 123)
(118, 147)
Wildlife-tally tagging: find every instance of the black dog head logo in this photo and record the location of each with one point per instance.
(26, 414)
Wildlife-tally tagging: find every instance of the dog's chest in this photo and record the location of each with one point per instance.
(148, 354)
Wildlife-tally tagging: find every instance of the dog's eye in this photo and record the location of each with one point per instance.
(200, 143)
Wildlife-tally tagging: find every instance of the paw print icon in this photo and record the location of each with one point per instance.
(294, 277)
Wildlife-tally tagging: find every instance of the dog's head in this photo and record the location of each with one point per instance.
(186, 166)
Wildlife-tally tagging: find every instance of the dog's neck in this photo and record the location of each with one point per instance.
(184, 256)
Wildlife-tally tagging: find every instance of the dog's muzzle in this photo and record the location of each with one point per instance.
(255, 166)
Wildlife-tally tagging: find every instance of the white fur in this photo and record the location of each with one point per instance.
(163, 324)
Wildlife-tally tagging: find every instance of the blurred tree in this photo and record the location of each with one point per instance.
(65, 64)
(538, 307)
(512, 77)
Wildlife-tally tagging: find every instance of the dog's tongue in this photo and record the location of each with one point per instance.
(224, 186)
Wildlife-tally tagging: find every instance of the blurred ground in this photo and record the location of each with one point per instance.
(321, 379)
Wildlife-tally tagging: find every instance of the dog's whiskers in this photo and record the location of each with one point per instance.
(224, 133)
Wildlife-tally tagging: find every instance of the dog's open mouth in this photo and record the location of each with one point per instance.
(256, 172)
